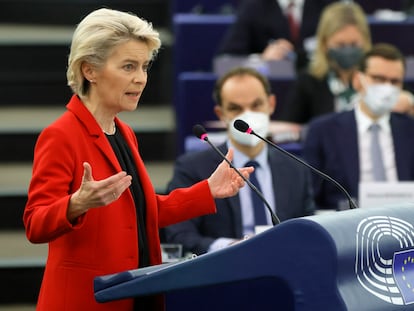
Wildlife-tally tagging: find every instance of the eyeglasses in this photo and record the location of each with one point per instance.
(384, 79)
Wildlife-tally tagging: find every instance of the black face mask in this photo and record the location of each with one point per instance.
(346, 57)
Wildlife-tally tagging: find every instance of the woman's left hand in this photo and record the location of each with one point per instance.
(225, 182)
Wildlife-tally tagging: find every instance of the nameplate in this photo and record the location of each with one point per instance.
(377, 194)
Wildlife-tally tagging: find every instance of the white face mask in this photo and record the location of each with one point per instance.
(380, 98)
(258, 121)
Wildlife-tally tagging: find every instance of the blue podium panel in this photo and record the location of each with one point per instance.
(360, 259)
(258, 294)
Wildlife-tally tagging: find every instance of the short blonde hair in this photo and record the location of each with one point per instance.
(97, 35)
(335, 17)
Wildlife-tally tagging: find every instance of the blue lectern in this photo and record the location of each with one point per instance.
(361, 259)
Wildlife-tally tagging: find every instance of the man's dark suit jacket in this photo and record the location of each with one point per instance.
(291, 183)
(260, 21)
(331, 145)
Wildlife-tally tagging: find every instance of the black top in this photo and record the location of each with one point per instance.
(123, 153)
(309, 97)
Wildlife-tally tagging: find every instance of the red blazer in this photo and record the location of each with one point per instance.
(103, 240)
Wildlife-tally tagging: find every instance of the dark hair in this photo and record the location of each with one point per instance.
(239, 71)
(383, 50)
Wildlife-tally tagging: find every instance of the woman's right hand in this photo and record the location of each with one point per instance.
(95, 193)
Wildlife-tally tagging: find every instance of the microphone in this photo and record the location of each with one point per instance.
(201, 133)
(245, 128)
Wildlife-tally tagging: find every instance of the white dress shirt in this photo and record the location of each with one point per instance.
(297, 9)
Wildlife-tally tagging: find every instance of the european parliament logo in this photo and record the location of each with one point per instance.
(384, 262)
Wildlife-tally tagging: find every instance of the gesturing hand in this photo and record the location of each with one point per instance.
(225, 182)
(93, 193)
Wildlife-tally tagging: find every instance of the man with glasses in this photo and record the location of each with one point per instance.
(370, 142)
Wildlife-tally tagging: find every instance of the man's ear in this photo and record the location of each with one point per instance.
(272, 103)
(218, 110)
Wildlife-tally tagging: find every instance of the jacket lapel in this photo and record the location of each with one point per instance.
(347, 142)
(278, 171)
(94, 130)
(402, 145)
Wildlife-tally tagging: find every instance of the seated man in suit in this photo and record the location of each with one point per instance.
(342, 145)
(275, 29)
(244, 94)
